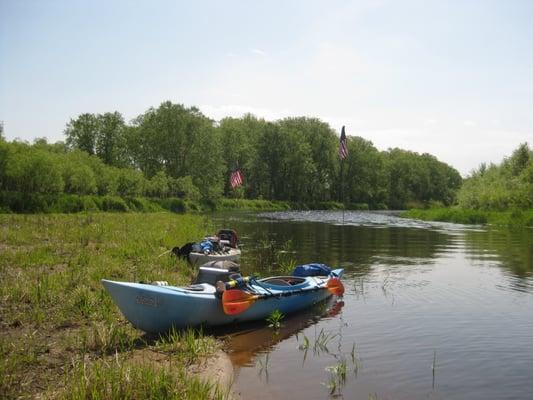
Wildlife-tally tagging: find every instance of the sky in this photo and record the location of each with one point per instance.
(450, 78)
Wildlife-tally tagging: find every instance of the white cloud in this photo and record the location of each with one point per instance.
(258, 52)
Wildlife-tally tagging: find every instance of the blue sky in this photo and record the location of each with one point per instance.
(452, 78)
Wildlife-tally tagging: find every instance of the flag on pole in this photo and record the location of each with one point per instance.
(343, 147)
(236, 178)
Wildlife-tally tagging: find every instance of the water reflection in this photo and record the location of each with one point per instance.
(350, 246)
(358, 245)
(253, 338)
(513, 249)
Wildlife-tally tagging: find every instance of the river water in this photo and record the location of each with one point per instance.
(431, 310)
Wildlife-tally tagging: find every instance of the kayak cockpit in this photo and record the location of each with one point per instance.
(282, 281)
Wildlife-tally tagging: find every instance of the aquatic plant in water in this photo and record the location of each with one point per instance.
(337, 377)
(274, 319)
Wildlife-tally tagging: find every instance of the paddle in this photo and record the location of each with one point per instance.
(236, 301)
(335, 286)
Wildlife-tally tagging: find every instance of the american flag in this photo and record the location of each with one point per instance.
(235, 178)
(343, 147)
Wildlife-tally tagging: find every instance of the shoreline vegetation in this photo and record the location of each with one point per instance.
(61, 336)
(174, 151)
(493, 194)
(512, 218)
(22, 203)
(13, 202)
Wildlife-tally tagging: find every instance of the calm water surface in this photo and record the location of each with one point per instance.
(431, 310)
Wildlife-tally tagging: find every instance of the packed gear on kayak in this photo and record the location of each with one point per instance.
(223, 245)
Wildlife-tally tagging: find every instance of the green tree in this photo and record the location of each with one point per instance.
(238, 140)
(180, 141)
(82, 132)
(110, 143)
(320, 161)
(519, 159)
(103, 135)
(365, 174)
(416, 179)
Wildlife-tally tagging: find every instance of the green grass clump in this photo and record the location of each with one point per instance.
(274, 319)
(188, 345)
(119, 379)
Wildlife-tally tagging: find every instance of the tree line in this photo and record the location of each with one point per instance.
(176, 151)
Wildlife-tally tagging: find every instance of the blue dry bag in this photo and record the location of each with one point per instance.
(311, 270)
(206, 246)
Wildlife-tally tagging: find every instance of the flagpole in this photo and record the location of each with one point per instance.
(343, 153)
(342, 190)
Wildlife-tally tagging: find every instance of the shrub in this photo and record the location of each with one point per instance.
(141, 204)
(358, 206)
(67, 204)
(173, 204)
(113, 203)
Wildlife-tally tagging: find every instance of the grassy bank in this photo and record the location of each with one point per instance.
(513, 218)
(17, 202)
(61, 336)
(24, 203)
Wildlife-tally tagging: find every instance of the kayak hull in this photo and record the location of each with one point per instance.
(160, 308)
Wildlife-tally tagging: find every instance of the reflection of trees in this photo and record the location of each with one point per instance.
(358, 248)
(514, 249)
(350, 246)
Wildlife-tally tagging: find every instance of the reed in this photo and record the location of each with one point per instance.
(337, 377)
(263, 364)
(322, 341)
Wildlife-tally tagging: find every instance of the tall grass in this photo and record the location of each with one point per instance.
(55, 312)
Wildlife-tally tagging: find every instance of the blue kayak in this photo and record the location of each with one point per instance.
(158, 307)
